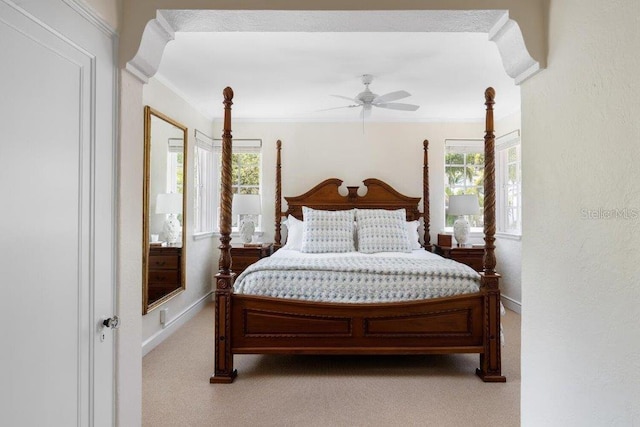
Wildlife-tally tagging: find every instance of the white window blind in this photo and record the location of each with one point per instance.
(509, 184)
(205, 181)
(175, 165)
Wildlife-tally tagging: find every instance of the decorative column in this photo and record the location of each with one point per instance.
(490, 361)
(224, 372)
(278, 213)
(425, 197)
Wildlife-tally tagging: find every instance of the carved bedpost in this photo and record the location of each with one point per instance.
(490, 361)
(425, 196)
(489, 185)
(278, 217)
(224, 372)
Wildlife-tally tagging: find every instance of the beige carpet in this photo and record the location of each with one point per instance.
(438, 390)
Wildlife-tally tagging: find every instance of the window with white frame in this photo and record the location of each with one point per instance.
(246, 162)
(509, 184)
(464, 174)
(204, 183)
(175, 166)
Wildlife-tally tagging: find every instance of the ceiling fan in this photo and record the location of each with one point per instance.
(367, 99)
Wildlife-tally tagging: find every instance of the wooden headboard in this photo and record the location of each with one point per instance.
(379, 195)
(326, 196)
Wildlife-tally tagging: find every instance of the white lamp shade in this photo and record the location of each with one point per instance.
(246, 204)
(169, 203)
(464, 204)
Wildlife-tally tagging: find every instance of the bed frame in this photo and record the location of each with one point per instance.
(246, 324)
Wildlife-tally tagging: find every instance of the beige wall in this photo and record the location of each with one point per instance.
(199, 253)
(581, 277)
(312, 152)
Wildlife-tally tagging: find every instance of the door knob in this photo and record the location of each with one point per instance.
(112, 322)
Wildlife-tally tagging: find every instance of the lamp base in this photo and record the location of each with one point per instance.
(461, 229)
(247, 228)
(171, 229)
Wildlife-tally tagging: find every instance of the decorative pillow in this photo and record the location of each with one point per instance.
(381, 230)
(327, 231)
(294, 234)
(414, 236)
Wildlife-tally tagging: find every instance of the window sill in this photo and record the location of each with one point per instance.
(236, 233)
(475, 232)
(509, 236)
(203, 235)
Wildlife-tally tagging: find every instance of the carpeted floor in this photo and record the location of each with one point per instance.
(437, 390)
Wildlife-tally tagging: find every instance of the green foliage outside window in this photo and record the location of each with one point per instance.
(464, 174)
(245, 172)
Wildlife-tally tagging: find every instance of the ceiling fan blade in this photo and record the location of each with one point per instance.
(336, 108)
(398, 106)
(357, 101)
(391, 96)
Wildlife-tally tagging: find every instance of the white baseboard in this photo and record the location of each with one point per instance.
(511, 304)
(175, 323)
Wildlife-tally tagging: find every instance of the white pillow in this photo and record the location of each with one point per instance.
(327, 231)
(382, 230)
(294, 234)
(414, 236)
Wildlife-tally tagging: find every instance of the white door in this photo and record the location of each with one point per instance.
(57, 222)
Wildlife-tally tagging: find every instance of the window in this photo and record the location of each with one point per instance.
(464, 174)
(245, 173)
(204, 183)
(175, 165)
(509, 184)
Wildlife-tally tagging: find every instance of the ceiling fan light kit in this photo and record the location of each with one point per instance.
(367, 99)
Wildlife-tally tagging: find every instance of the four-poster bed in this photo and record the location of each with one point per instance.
(252, 324)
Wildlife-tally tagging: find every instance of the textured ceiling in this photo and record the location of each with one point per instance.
(289, 76)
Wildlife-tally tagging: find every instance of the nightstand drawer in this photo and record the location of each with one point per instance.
(243, 256)
(169, 277)
(242, 262)
(474, 260)
(473, 257)
(168, 262)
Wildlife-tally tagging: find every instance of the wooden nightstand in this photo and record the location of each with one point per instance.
(165, 271)
(470, 256)
(243, 256)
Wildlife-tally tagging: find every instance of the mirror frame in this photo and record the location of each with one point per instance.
(146, 307)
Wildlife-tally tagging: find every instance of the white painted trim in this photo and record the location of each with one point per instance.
(90, 15)
(504, 32)
(508, 236)
(516, 60)
(511, 304)
(204, 235)
(174, 324)
(157, 34)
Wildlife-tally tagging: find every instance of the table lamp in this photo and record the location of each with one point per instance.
(462, 205)
(246, 204)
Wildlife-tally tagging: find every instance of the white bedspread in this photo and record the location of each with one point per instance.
(357, 278)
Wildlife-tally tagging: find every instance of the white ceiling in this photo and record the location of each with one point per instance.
(289, 76)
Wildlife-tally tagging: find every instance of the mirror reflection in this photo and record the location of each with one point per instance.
(164, 204)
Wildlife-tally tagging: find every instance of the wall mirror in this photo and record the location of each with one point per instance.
(163, 242)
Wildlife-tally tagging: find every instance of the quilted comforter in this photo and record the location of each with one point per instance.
(357, 278)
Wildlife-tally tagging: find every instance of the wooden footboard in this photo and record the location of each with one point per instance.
(443, 325)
